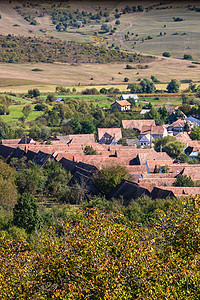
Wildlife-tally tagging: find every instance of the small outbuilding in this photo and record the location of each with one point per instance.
(129, 96)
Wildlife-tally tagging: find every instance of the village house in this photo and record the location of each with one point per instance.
(137, 124)
(154, 131)
(141, 163)
(122, 105)
(109, 135)
(60, 100)
(192, 152)
(179, 126)
(129, 96)
(146, 140)
(193, 120)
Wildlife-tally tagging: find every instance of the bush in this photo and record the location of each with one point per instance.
(129, 67)
(40, 107)
(89, 150)
(187, 56)
(37, 70)
(184, 181)
(166, 54)
(177, 19)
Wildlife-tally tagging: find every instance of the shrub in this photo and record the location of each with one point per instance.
(166, 54)
(187, 56)
(177, 19)
(129, 67)
(89, 150)
(40, 107)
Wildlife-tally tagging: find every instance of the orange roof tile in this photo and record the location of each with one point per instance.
(137, 124)
(111, 131)
(152, 129)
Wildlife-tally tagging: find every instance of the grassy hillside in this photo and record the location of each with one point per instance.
(82, 21)
(143, 27)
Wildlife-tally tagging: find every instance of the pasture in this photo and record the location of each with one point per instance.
(19, 78)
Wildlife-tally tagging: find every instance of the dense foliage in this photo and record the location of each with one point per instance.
(16, 49)
(92, 255)
(170, 145)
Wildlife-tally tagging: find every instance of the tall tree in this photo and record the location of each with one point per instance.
(25, 213)
(173, 86)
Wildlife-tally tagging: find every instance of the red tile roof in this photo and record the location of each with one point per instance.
(152, 129)
(10, 141)
(111, 131)
(137, 124)
(122, 102)
(183, 137)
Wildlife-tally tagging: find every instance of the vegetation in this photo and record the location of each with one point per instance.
(187, 56)
(89, 150)
(173, 86)
(92, 254)
(183, 180)
(170, 145)
(166, 54)
(15, 49)
(145, 86)
(109, 177)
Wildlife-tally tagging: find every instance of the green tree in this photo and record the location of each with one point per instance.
(147, 86)
(163, 112)
(183, 180)
(8, 189)
(30, 180)
(26, 110)
(89, 150)
(51, 97)
(57, 179)
(61, 89)
(87, 127)
(25, 213)
(134, 88)
(173, 86)
(195, 133)
(33, 93)
(170, 145)
(153, 114)
(109, 177)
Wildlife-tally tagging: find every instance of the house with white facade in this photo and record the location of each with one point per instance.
(122, 105)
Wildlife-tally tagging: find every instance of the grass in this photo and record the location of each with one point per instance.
(163, 100)
(16, 113)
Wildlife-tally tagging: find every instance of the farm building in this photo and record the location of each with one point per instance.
(129, 96)
(60, 100)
